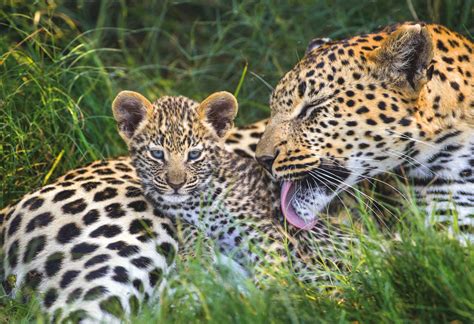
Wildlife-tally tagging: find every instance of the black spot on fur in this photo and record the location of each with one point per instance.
(116, 245)
(168, 250)
(15, 224)
(91, 217)
(34, 247)
(115, 210)
(32, 280)
(107, 193)
(47, 189)
(67, 233)
(301, 89)
(81, 249)
(120, 274)
(74, 207)
(168, 229)
(138, 284)
(104, 171)
(95, 293)
(362, 110)
(440, 45)
(141, 262)
(447, 60)
(155, 276)
(98, 273)
(96, 260)
(91, 185)
(63, 195)
(54, 263)
(74, 295)
(34, 203)
(140, 225)
(106, 231)
(405, 122)
(454, 85)
(128, 250)
(39, 221)
(68, 277)
(386, 119)
(138, 205)
(133, 192)
(13, 254)
(50, 297)
(123, 167)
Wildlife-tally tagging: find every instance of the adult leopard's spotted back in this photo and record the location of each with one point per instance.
(90, 244)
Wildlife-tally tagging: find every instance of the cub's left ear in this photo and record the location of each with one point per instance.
(404, 57)
(218, 112)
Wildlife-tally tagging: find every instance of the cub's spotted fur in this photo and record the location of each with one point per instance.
(356, 108)
(176, 148)
(90, 244)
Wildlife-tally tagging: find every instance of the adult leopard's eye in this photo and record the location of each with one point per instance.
(194, 154)
(312, 107)
(157, 154)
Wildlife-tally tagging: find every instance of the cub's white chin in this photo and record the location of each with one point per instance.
(175, 198)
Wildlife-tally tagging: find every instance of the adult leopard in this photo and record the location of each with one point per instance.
(359, 107)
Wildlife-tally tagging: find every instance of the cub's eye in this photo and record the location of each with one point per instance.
(194, 154)
(157, 154)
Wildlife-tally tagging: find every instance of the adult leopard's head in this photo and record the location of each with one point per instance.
(174, 142)
(354, 108)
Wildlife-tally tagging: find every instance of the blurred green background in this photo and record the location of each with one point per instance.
(62, 63)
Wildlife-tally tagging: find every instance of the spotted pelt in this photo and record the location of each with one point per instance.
(176, 146)
(90, 245)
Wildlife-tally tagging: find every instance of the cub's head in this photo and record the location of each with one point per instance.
(175, 142)
(345, 112)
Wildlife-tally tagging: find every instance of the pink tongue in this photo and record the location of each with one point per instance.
(287, 192)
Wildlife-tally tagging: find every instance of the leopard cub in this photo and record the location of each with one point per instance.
(177, 148)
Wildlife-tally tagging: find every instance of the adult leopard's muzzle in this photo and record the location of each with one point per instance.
(303, 199)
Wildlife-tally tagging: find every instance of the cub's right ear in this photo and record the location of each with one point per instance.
(130, 110)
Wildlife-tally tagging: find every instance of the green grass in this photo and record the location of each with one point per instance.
(62, 63)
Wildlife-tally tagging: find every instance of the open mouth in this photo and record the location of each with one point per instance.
(288, 192)
(302, 200)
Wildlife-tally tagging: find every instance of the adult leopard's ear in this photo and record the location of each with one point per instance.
(130, 110)
(405, 56)
(218, 112)
(316, 43)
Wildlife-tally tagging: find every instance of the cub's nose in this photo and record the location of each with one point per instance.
(266, 161)
(175, 184)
